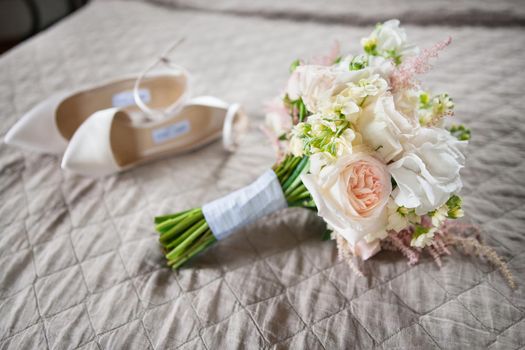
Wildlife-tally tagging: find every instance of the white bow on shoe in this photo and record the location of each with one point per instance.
(109, 142)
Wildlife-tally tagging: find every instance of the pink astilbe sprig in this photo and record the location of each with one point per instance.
(472, 246)
(455, 234)
(279, 116)
(398, 241)
(403, 76)
(435, 255)
(345, 254)
(440, 246)
(451, 227)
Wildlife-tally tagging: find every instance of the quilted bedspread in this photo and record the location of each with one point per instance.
(80, 265)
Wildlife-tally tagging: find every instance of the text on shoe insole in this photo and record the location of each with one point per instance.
(125, 98)
(171, 132)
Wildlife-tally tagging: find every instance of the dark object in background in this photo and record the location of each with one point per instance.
(20, 19)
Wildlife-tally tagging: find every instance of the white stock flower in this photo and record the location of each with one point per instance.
(428, 172)
(346, 105)
(367, 64)
(319, 86)
(439, 216)
(383, 127)
(423, 239)
(296, 146)
(389, 40)
(332, 137)
(320, 125)
(398, 219)
(348, 101)
(369, 86)
(343, 143)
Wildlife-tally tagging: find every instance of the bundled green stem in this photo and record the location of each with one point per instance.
(185, 234)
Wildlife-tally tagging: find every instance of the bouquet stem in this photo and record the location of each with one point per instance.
(185, 234)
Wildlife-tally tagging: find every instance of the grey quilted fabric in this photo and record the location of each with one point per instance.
(80, 266)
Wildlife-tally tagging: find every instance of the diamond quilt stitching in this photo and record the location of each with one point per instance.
(82, 252)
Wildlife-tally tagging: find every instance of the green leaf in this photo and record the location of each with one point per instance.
(327, 235)
(454, 201)
(419, 230)
(370, 48)
(461, 132)
(358, 62)
(424, 100)
(393, 182)
(302, 109)
(294, 65)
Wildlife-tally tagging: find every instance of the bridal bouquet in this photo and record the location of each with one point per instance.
(363, 144)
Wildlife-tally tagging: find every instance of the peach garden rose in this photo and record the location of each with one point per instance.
(351, 195)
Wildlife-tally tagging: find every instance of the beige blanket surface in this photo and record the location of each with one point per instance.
(80, 266)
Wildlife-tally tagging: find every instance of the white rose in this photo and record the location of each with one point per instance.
(407, 103)
(383, 127)
(428, 172)
(351, 195)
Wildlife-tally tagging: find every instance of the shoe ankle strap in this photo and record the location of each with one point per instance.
(157, 114)
(235, 125)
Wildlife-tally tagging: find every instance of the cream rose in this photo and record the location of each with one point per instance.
(351, 195)
(383, 127)
(317, 85)
(428, 173)
(314, 84)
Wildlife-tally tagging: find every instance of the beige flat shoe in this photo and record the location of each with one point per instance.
(109, 141)
(153, 94)
(49, 126)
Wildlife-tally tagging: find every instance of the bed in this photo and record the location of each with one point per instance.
(80, 265)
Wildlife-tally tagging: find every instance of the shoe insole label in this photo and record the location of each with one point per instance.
(125, 98)
(171, 132)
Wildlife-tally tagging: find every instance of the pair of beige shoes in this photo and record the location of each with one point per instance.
(119, 124)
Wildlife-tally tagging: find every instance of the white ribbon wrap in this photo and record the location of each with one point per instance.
(242, 207)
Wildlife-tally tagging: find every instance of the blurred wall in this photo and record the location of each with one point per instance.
(20, 19)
